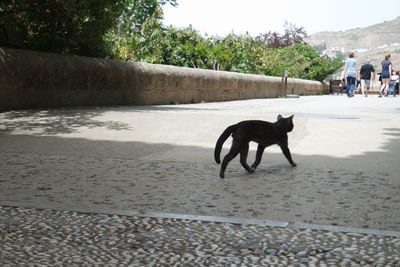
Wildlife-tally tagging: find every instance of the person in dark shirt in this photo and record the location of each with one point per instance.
(385, 74)
(367, 72)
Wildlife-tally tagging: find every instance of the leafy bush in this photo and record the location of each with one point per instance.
(133, 30)
(73, 27)
(302, 61)
(61, 26)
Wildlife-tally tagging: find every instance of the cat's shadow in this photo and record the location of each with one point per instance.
(260, 172)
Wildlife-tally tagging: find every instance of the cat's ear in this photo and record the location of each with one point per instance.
(291, 117)
(280, 117)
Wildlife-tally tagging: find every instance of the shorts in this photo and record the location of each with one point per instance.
(365, 83)
(385, 75)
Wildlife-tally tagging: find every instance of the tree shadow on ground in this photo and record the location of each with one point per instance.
(52, 122)
(67, 121)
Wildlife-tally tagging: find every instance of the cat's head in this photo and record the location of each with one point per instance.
(286, 123)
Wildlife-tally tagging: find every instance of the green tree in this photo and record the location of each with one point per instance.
(139, 34)
(187, 48)
(133, 30)
(245, 51)
(302, 61)
(74, 27)
(137, 12)
(221, 54)
(61, 26)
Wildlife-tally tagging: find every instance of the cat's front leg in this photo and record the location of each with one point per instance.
(286, 152)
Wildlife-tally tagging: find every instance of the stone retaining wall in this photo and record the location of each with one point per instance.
(30, 79)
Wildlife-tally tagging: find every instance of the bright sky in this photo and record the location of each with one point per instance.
(221, 17)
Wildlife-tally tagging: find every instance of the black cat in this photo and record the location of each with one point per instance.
(262, 132)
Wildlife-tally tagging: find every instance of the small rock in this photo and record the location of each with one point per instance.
(302, 254)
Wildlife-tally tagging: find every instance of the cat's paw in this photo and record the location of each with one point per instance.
(221, 175)
(251, 169)
(294, 164)
(254, 166)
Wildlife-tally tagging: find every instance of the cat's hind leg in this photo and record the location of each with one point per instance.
(260, 151)
(243, 157)
(233, 152)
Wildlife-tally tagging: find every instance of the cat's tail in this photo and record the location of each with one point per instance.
(221, 140)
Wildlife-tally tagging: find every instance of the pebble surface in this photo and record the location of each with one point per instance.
(32, 237)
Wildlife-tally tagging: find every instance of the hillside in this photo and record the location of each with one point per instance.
(369, 43)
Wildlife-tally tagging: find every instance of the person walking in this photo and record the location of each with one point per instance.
(393, 81)
(367, 72)
(350, 73)
(385, 75)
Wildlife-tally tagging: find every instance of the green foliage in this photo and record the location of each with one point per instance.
(133, 30)
(185, 48)
(61, 26)
(302, 61)
(81, 27)
(238, 53)
(245, 53)
(137, 12)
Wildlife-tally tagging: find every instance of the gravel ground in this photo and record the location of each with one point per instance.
(32, 237)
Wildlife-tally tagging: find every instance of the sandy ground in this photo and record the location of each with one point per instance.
(160, 158)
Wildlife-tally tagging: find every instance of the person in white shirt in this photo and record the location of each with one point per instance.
(350, 73)
(393, 80)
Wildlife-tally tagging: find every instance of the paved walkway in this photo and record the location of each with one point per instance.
(158, 160)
